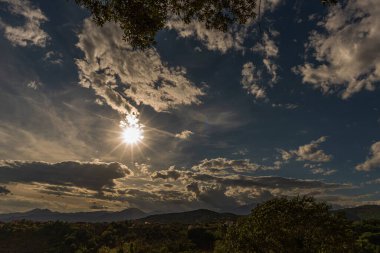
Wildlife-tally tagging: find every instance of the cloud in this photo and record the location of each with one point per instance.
(269, 50)
(184, 135)
(324, 172)
(241, 152)
(250, 80)
(95, 206)
(83, 186)
(269, 182)
(223, 165)
(35, 85)
(30, 33)
(214, 40)
(219, 118)
(62, 118)
(4, 190)
(270, 5)
(171, 173)
(252, 76)
(193, 187)
(375, 181)
(316, 169)
(286, 106)
(373, 161)
(53, 57)
(89, 175)
(308, 152)
(346, 52)
(124, 77)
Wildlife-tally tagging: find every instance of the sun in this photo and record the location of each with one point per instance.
(132, 132)
(132, 135)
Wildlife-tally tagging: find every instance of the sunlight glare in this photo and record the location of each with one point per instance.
(132, 130)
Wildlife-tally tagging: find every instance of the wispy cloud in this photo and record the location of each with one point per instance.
(35, 85)
(251, 79)
(30, 33)
(269, 50)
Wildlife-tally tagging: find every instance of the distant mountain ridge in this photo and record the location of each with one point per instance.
(190, 217)
(365, 212)
(96, 216)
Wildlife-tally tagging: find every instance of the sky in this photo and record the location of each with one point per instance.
(228, 120)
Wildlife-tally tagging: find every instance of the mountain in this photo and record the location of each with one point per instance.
(244, 209)
(191, 217)
(365, 212)
(196, 216)
(98, 216)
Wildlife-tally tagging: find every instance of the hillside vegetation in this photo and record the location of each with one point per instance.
(279, 225)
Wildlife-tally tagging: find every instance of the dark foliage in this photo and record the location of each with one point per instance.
(291, 225)
(279, 225)
(140, 20)
(201, 237)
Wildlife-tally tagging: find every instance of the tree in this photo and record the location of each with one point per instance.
(140, 20)
(294, 225)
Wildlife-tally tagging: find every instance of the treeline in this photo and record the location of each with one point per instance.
(279, 225)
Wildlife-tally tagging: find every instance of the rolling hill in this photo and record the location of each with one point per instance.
(196, 216)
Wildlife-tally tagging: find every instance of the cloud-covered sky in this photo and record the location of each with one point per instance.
(229, 119)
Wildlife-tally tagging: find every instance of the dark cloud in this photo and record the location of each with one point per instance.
(171, 173)
(95, 206)
(4, 190)
(268, 182)
(220, 165)
(90, 175)
(215, 195)
(193, 187)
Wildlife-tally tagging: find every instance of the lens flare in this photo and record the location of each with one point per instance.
(132, 130)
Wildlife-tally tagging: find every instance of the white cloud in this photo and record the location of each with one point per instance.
(373, 161)
(347, 52)
(30, 33)
(250, 79)
(120, 74)
(308, 152)
(214, 40)
(184, 135)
